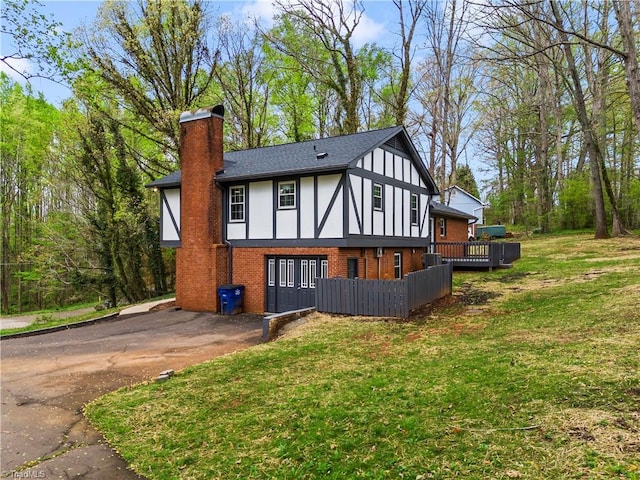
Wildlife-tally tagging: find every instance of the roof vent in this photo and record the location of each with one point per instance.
(321, 155)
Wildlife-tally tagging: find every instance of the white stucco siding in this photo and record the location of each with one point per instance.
(406, 169)
(327, 186)
(389, 206)
(307, 218)
(367, 205)
(260, 201)
(378, 223)
(367, 162)
(378, 161)
(397, 212)
(355, 204)
(287, 223)
(398, 164)
(424, 215)
(171, 207)
(237, 231)
(406, 212)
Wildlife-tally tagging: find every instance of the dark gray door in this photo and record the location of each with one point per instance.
(291, 282)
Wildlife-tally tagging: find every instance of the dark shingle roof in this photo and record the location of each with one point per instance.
(323, 154)
(447, 211)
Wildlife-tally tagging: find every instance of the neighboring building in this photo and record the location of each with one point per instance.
(449, 224)
(462, 200)
(275, 218)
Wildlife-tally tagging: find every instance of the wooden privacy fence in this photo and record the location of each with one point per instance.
(383, 298)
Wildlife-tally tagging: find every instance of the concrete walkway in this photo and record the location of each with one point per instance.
(19, 321)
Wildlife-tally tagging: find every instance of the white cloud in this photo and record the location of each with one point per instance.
(11, 66)
(368, 31)
(262, 10)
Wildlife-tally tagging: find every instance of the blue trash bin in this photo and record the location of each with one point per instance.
(230, 299)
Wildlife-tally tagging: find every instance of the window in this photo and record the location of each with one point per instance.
(324, 268)
(397, 264)
(414, 209)
(236, 204)
(352, 268)
(312, 273)
(377, 196)
(291, 273)
(443, 227)
(287, 195)
(272, 272)
(304, 273)
(283, 273)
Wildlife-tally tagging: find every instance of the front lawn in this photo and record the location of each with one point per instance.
(539, 382)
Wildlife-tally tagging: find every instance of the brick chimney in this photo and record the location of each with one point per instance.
(201, 261)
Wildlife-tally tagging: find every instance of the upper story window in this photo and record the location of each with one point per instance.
(236, 204)
(443, 227)
(414, 209)
(287, 195)
(377, 196)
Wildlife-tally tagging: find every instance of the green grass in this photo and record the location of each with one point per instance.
(48, 320)
(541, 382)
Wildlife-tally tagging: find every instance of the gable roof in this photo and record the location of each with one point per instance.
(443, 210)
(466, 193)
(319, 155)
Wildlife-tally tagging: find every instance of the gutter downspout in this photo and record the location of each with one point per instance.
(229, 262)
(224, 239)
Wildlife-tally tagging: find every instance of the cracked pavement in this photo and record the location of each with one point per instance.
(46, 380)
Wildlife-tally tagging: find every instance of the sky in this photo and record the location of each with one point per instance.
(373, 26)
(378, 24)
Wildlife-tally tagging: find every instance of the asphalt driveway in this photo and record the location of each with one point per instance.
(46, 379)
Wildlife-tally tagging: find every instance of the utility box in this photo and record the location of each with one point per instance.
(231, 299)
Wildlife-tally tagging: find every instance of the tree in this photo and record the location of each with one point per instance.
(156, 60)
(35, 38)
(323, 49)
(246, 85)
(447, 88)
(27, 126)
(466, 180)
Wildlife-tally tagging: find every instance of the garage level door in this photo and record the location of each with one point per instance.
(291, 282)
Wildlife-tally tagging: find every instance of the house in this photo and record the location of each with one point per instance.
(462, 200)
(450, 224)
(275, 218)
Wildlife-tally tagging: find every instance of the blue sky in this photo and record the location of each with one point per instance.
(374, 27)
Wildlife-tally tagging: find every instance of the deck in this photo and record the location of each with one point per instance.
(477, 254)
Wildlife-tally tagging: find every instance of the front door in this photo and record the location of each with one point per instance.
(291, 282)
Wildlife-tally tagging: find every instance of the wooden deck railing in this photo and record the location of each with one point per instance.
(477, 254)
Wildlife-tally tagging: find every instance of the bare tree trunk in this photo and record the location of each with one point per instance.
(628, 36)
(595, 156)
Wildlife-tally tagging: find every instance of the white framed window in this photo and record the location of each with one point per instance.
(272, 272)
(236, 203)
(414, 209)
(304, 273)
(324, 269)
(377, 196)
(287, 194)
(443, 227)
(313, 273)
(397, 264)
(291, 273)
(283, 273)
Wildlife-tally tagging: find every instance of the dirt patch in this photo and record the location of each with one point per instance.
(471, 295)
(606, 432)
(163, 306)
